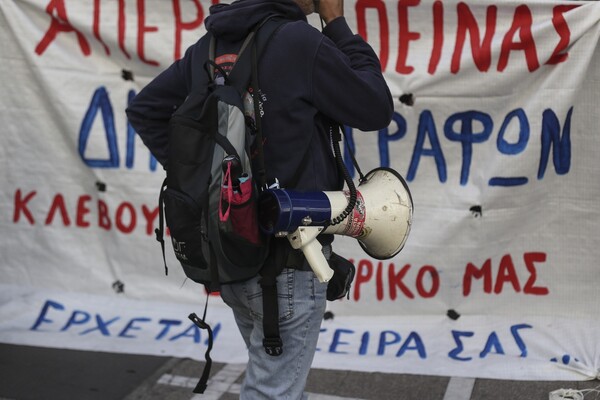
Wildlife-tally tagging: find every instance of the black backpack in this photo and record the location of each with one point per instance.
(209, 193)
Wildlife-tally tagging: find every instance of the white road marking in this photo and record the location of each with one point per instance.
(459, 389)
(220, 383)
(224, 382)
(316, 396)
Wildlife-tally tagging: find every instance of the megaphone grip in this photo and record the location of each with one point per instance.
(317, 261)
(305, 239)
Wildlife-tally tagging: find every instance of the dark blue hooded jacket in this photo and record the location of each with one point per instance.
(307, 78)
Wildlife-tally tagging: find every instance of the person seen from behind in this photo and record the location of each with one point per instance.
(310, 81)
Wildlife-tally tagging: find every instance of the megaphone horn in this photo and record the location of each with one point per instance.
(380, 220)
(382, 217)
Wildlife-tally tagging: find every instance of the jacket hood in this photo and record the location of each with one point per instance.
(234, 21)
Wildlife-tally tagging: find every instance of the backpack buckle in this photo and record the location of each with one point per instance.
(274, 184)
(273, 346)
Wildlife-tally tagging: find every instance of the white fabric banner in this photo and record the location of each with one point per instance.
(495, 130)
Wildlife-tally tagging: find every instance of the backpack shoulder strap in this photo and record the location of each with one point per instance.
(273, 266)
(277, 258)
(258, 38)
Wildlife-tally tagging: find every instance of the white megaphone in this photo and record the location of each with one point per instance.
(380, 220)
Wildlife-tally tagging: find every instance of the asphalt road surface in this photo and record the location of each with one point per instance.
(28, 373)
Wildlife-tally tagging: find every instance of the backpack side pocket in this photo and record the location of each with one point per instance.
(185, 223)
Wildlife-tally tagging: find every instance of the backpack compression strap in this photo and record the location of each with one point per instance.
(161, 224)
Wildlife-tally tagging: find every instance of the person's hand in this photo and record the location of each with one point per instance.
(330, 9)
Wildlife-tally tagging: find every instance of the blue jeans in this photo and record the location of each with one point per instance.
(302, 300)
